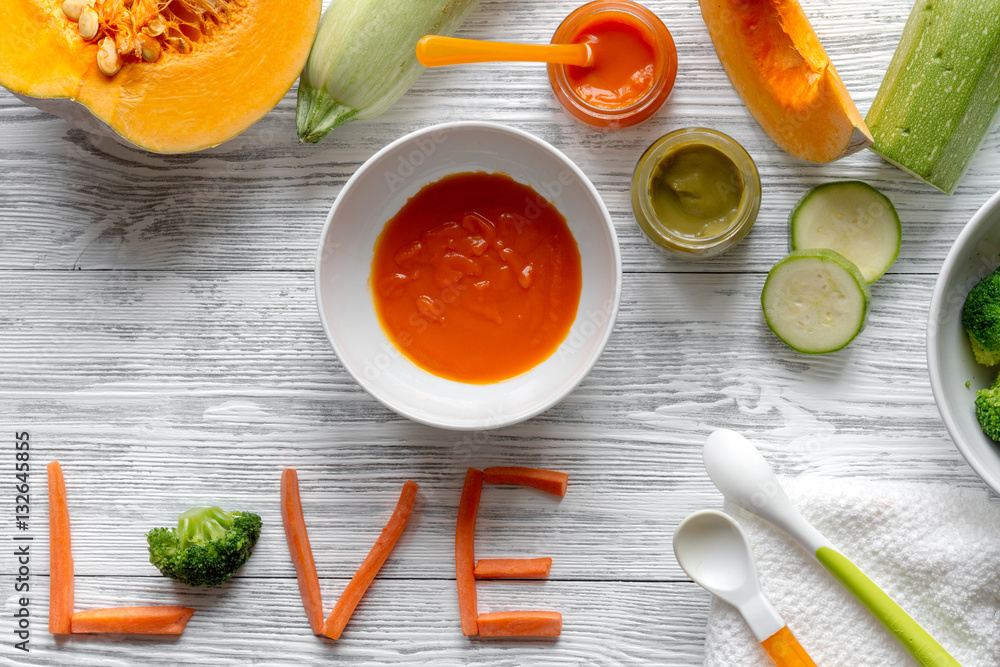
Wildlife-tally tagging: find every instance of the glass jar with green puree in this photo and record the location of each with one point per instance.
(695, 193)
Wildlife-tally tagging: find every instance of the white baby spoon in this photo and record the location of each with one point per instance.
(713, 550)
(741, 473)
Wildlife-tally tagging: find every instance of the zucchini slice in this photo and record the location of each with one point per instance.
(816, 301)
(851, 218)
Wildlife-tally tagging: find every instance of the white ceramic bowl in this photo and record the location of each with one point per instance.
(975, 254)
(378, 190)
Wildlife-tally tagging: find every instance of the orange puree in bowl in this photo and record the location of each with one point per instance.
(477, 278)
(624, 60)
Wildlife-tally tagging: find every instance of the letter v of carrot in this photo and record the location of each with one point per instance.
(305, 567)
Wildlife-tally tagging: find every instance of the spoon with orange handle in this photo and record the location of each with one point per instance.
(713, 550)
(738, 469)
(437, 51)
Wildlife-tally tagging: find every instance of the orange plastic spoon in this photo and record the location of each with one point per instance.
(714, 551)
(435, 51)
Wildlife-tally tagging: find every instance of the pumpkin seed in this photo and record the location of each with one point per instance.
(88, 23)
(149, 47)
(179, 43)
(107, 57)
(155, 27)
(72, 8)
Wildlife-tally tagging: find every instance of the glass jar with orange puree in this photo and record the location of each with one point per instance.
(635, 63)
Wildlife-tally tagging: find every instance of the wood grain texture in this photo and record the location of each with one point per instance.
(411, 622)
(145, 425)
(159, 336)
(259, 201)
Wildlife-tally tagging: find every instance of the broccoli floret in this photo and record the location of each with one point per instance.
(981, 319)
(207, 547)
(984, 356)
(988, 410)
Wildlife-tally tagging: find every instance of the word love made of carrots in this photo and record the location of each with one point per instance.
(467, 570)
(171, 620)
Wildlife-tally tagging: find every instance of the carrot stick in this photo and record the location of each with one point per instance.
(60, 554)
(132, 620)
(363, 578)
(465, 551)
(513, 568)
(520, 624)
(549, 481)
(298, 547)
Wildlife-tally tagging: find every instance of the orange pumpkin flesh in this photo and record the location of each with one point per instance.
(779, 67)
(230, 77)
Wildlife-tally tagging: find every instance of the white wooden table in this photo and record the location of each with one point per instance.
(159, 337)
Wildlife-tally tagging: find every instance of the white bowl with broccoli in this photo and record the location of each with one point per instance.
(956, 376)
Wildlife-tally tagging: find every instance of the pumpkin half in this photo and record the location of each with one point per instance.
(779, 67)
(169, 76)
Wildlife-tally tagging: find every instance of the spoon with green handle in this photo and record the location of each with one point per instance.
(744, 477)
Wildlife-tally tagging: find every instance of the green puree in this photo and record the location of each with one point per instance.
(696, 191)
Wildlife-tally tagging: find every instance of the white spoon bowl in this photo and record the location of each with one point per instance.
(713, 550)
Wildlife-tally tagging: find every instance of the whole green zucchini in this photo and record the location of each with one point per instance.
(364, 58)
(942, 90)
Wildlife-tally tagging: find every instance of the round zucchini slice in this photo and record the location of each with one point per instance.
(851, 218)
(816, 301)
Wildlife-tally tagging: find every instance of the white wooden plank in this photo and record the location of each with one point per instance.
(73, 201)
(148, 425)
(196, 369)
(94, 337)
(261, 621)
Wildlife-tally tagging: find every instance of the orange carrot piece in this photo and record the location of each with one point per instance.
(549, 481)
(520, 624)
(298, 547)
(465, 550)
(363, 578)
(166, 620)
(513, 568)
(60, 554)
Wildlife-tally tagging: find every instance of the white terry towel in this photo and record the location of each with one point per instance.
(934, 548)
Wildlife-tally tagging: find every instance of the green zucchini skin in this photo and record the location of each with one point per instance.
(942, 91)
(788, 312)
(834, 208)
(364, 58)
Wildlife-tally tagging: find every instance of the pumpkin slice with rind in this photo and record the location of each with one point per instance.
(779, 67)
(223, 65)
